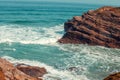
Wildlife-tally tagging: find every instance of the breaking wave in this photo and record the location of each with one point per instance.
(30, 35)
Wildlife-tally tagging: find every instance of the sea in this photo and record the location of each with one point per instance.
(29, 31)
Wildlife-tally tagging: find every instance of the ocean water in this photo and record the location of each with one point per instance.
(29, 32)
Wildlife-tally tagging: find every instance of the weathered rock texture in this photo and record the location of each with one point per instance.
(96, 27)
(115, 76)
(10, 72)
(2, 75)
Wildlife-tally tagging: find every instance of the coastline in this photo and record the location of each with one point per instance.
(28, 40)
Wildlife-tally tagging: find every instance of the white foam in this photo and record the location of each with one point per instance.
(53, 74)
(30, 35)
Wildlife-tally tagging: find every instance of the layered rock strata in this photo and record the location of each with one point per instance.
(96, 27)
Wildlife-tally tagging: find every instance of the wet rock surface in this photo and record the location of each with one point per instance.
(33, 71)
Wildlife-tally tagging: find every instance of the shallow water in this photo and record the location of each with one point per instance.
(28, 34)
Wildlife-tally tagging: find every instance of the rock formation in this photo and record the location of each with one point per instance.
(96, 27)
(10, 72)
(115, 76)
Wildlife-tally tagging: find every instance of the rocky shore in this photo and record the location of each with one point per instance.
(9, 71)
(96, 27)
(20, 72)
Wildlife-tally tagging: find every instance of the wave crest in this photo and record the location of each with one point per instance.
(30, 35)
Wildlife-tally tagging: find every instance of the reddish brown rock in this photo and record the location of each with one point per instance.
(115, 76)
(2, 75)
(10, 72)
(33, 71)
(96, 27)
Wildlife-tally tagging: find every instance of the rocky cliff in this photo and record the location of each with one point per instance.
(96, 27)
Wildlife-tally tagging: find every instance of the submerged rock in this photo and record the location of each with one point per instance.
(115, 76)
(10, 72)
(96, 27)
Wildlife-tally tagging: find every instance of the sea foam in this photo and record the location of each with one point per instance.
(30, 35)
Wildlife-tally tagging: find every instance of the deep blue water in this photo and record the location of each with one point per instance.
(28, 34)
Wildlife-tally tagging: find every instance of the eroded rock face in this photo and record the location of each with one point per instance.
(10, 72)
(96, 27)
(115, 76)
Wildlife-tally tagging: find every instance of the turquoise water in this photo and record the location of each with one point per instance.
(28, 34)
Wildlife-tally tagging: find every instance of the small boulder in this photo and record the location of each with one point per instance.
(33, 71)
